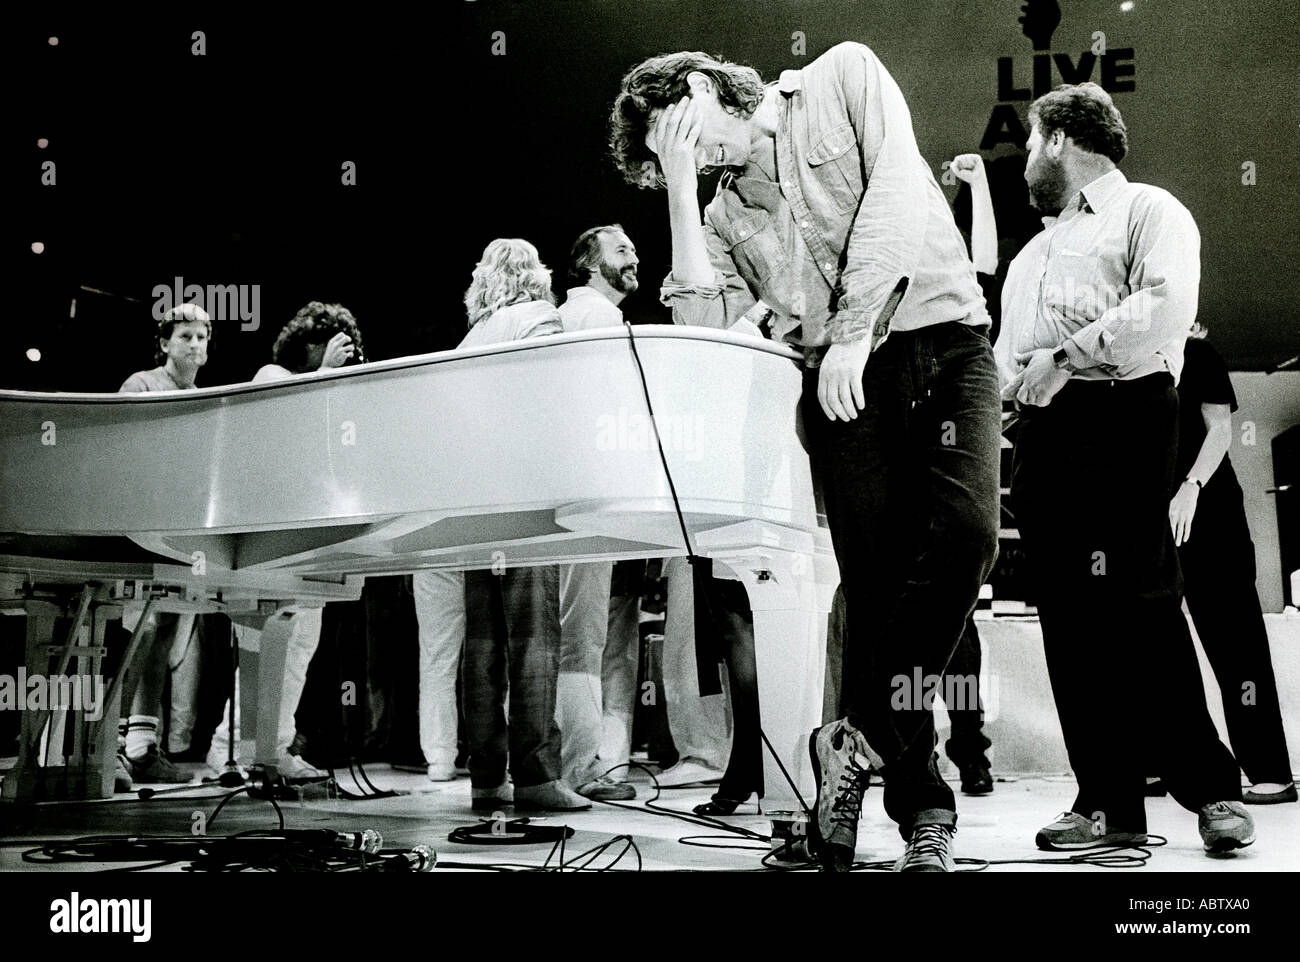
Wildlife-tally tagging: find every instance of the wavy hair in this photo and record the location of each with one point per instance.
(1084, 113)
(314, 324)
(654, 84)
(509, 272)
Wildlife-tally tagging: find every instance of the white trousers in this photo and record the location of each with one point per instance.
(579, 706)
(440, 610)
(302, 627)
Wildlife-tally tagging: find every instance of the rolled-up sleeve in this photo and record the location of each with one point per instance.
(889, 229)
(1164, 284)
(719, 304)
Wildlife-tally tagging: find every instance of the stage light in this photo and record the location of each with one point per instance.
(37, 247)
(1126, 6)
(33, 354)
(54, 41)
(42, 143)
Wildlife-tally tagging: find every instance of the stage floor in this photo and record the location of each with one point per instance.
(998, 828)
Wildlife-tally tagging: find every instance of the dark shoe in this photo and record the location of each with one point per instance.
(1225, 826)
(929, 850)
(1072, 832)
(1273, 795)
(720, 805)
(841, 779)
(154, 767)
(122, 776)
(976, 779)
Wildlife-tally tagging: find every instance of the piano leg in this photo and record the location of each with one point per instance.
(790, 593)
(284, 645)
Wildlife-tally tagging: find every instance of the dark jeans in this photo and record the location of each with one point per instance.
(1090, 487)
(967, 742)
(911, 495)
(512, 638)
(1218, 563)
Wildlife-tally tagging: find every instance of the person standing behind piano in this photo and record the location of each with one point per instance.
(182, 348)
(512, 616)
(601, 273)
(320, 337)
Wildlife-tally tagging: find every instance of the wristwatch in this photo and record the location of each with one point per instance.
(1061, 359)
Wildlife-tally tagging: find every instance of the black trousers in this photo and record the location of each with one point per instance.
(911, 494)
(1090, 487)
(1218, 563)
(967, 742)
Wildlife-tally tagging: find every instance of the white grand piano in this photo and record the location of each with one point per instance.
(252, 497)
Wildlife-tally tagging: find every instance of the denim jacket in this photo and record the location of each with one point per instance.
(871, 218)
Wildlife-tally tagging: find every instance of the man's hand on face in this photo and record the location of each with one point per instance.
(839, 381)
(1039, 382)
(675, 136)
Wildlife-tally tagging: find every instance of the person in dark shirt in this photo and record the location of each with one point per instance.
(1218, 562)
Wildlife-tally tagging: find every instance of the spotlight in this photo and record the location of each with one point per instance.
(33, 354)
(37, 247)
(42, 143)
(54, 41)
(1126, 6)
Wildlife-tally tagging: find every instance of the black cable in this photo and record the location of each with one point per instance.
(378, 793)
(672, 488)
(239, 791)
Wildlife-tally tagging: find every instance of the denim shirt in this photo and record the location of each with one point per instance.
(871, 218)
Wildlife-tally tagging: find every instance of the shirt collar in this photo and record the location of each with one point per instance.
(1100, 192)
(791, 81)
(580, 291)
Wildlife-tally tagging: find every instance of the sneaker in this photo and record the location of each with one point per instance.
(154, 767)
(1269, 793)
(441, 773)
(688, 773)
(606, 789)
(122, 776)
(295, 768)
(838, 755)
(491, 799)
(549, 797)
(929, 850)
(976, 779)
(1225, 826)
(1073, 831)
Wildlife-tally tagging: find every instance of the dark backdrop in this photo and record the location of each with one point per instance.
(226, 168)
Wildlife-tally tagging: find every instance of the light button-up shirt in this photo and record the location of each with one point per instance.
(1114, 281)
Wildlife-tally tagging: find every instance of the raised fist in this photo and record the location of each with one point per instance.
(1039, 20)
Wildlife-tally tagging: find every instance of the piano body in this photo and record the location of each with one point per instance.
(249, 498)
